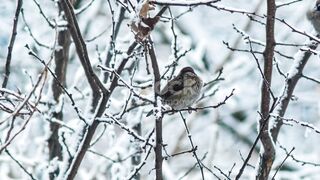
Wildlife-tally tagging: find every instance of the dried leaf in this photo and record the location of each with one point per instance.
(145, 8)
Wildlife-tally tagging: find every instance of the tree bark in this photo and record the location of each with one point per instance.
(267, 154)
(61, 57)
(158, 121)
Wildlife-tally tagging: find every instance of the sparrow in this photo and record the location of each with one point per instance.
(183, 90)
(313, 16)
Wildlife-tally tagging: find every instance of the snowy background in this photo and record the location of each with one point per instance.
(223, 136)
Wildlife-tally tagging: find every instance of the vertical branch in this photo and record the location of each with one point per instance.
(115, 31)
(158, 122)
(157, 103)
(61, 56)
(268, 152)
(12, 40)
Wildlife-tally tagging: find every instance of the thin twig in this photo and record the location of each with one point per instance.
(20, 165)
(262, 126)
(192, 146)
(43, 14)
(288, 154)
(202, 108)
(183, 3)
(11, 44)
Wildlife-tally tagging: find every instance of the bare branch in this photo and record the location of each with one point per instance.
(288, 3)
(183, 3)
(11, 44)
(298, 31)
(262, 126)
(268, 154)
(202, 108)
(282, 163)
(43, 15)
(297, 160)
(20, 165)
(75, 107)
(9, 139)
(294, 75)
(95, 84)
(194, 148)
(138, 168)
(159, 115)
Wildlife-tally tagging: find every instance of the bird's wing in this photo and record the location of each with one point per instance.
(172, 87)
(177, 86)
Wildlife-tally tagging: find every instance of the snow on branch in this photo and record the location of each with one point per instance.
(293, 76)
(183, 2)
(303, 124)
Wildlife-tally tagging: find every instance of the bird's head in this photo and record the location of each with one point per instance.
(314, 13)
(317, 6)
(187, 72)
(188, 75)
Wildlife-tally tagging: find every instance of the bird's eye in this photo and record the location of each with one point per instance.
(318, 7)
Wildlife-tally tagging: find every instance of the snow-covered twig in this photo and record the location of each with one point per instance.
(293, 76)
(116, 23)
(303, 124)
(221, 172)
(267, 155)
(60, 84)
(10, 138)
(126, 84)
(246, 161)
(183, 2)
(297, 160)
(126, 128)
